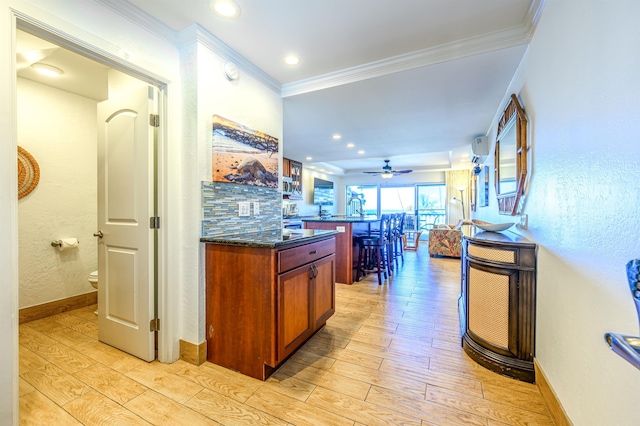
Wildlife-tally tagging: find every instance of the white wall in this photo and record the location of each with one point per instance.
(206, 91)
(579, 85)
(59, 130)
(8, 226)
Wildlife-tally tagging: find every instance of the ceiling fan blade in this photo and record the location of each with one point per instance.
(401, 172)
(372, 173)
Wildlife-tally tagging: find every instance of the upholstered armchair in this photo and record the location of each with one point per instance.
(445, 240)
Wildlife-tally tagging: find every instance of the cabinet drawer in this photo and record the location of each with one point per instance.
(297, 256)
(494, 254)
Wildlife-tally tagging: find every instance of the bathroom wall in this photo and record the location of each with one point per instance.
(59, 130)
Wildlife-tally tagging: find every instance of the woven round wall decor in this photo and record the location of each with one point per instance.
(28, 173)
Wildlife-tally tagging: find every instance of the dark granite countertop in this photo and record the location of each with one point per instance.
(270, 239)
(342, 219)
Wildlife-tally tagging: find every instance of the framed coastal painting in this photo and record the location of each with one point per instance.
(242, 155)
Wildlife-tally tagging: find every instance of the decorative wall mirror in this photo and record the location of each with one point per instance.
(511, 157)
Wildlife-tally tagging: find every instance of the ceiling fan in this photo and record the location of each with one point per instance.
(387, 172)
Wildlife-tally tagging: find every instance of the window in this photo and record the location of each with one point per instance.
(431, 209)
(369, 196)
(427, 201)
(397, 199)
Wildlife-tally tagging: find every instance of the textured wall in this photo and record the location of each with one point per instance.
(579, 86)
(59, 130)
(206, 92)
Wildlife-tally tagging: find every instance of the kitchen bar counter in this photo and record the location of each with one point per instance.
(350, 219)
(346, 251)
(270, 239)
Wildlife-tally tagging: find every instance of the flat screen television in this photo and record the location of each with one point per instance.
(322, 192)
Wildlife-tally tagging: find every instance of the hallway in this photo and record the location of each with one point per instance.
(390, 355)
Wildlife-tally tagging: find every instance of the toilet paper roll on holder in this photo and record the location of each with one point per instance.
(58, 243)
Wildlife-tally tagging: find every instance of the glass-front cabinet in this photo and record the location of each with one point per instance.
(292, 173)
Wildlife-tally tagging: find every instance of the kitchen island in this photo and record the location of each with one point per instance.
(346, 251)
(266, 294)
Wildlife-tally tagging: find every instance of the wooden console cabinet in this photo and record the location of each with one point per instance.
(264, 303)
(498, 302)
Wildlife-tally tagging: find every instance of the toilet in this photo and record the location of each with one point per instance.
(93, 280)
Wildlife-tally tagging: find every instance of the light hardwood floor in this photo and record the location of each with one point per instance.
(390, 355)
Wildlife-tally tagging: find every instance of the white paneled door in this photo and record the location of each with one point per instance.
(126, 150)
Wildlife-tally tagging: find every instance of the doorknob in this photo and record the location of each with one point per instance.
(98, 234)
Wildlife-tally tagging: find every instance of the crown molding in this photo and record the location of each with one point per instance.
(532, 17)
(78, 45)
(140, 18)
(195, 32)
(510, 37)
(192, 33)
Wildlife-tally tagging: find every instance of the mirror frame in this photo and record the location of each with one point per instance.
(508, 202)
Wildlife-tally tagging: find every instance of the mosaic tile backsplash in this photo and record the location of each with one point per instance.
(220, 209)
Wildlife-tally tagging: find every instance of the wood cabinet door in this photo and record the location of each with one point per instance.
(286, 167)
(294, 309)
(323, 291)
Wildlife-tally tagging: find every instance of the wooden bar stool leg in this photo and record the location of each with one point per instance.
(360, 262)
(379, 268)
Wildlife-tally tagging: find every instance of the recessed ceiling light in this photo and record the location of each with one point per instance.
(228, 9)
(361, 151)
(350, 145)
(336, 136)
(47, 70)
(292, 60)
(309, 158)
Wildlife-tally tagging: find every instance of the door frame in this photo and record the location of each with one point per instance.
(165, 309)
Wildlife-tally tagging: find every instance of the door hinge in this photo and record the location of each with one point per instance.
(154, 120)
(154, 222)
(154, 325)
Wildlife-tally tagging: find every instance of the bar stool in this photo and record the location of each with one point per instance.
(376, 249)
(398, 238)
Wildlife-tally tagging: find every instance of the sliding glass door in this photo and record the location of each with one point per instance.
(397, 199)
(432, 202)
(425, 204)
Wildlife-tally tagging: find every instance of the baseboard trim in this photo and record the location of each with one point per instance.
(554, 406)
(56, 307)
(192, 353)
